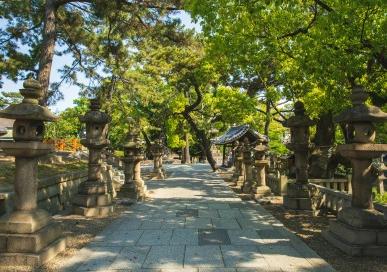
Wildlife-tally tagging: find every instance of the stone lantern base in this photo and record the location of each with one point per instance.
(261, 191)
(141, 190)
(239, 181)
(357, 241)
(297, 197)
(29, 238)
(93, 200)
(128, 191)
(158, 174)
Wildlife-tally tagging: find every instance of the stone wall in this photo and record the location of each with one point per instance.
(54, 193)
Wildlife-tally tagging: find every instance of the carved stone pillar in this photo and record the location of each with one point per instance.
(360, 229)
(129, 187)
(238, 176)
(157, 150)
(297, 192)
(260, 189)
(28, 236)
(248, 167)
(93, 199)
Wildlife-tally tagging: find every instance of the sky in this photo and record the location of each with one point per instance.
(70, 92)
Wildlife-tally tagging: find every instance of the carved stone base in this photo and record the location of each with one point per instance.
(93, 200)
(297, 203)
(141, 190)
(246, 188)
(102, 211)
(261, 191)
(128, 191)
(239, 181)
(31, 248)
(34, 259)
(357, 241)
(297, 197)
(158, 174)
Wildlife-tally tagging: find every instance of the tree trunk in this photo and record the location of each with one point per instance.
(204, 141)
(325, 130)
(48, 49)
(187, 157)
(319, 161)
(267, 117)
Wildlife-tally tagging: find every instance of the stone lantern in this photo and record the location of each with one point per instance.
(129, 188)
(297, 192)
(135, 154)
(238, 176)
(157, 150)
(260, 189)
(28, 236)
(360, 229)
(248, 169)
(93, 199)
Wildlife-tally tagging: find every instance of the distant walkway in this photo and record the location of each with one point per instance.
(196, 223)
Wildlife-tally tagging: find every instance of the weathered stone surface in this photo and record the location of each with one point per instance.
(213, 237)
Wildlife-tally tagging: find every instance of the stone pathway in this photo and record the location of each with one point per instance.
(196, 223)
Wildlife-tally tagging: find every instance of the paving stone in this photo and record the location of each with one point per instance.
(165, 257)
(130, 258)
(173, 223)
(187, 213)
(197, 223)
(163, 234)
(203, 256)
(217, 270)
(209, 213)
(180, 270)
(244, 237)
(119, 238)
(285, 258)
(219, 206)
(243, 256)
(230, 213)
(213, 237)
(99, 258)
(273, 236)
(155, 238)
(184, 237)
(253, 224)
(225, 223)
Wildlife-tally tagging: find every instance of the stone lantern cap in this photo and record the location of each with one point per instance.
(360, 112)
(94, 115)
(299, 119)
(29, 108)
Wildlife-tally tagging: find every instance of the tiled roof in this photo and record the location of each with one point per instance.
(238, 132)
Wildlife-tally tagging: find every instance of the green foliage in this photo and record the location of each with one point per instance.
(8, 98)
(68, 125)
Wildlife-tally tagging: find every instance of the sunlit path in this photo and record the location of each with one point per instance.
(196, 223)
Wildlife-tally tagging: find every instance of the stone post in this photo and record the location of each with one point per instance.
(360, 229)
(248, 169)
(28, 236)
(297, 192)
(129, 188)
(239, 176)
(137, 150)
(93, 199)
(157, 150)
(260, 189)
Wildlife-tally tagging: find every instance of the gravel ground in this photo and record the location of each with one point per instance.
(309, 227)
